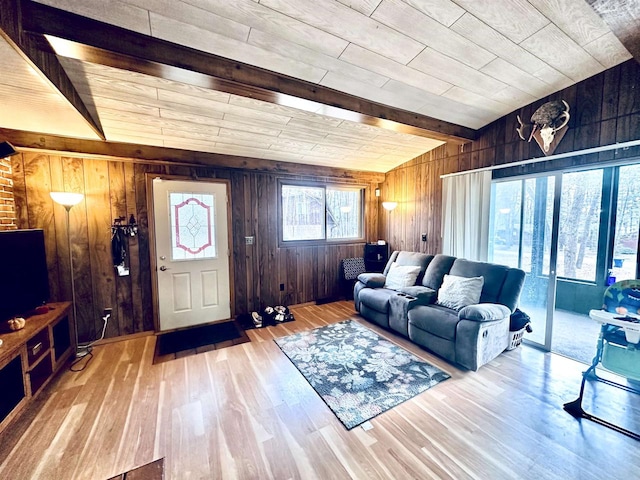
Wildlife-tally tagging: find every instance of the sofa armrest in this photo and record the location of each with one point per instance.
(372, 280)
(425, 295)
(484, 312)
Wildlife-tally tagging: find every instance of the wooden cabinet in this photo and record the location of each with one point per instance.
(375, 257)
(30, 357)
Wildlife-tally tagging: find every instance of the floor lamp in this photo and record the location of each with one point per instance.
(68, 200)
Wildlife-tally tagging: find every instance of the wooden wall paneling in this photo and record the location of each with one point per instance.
(38, 185)
(74, 181)
(118, 187)
(417, 202)
(98, 212)
(465, 160)
(321, 271)
(261, 275)
(143, 247)
(273, 253)
(628, 94)
(134, 252)
(122, 313)
(589, 96)
(238, 247)
(290, 265)
(60, 282)
(19, 190)
(628, 128)
(300, 274)
(607, 137)
(610, 93)
(422, 203)
(437, 203)
(312, 291)
(250, 207)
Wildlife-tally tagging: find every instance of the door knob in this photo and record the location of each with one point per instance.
(163, 268)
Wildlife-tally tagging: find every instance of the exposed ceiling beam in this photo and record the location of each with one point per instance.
(623, 18)
(43, 62)
(174, 156)
(89, 40)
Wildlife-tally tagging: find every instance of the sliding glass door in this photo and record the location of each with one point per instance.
(573, 233)
(523, 232)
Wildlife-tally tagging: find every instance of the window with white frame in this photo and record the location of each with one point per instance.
(315, 212)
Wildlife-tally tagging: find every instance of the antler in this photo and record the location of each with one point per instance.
(565, 116)
(520, 129)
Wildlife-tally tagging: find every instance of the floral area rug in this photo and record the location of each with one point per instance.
(356, 372)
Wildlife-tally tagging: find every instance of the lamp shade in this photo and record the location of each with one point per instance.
(389, 205)
(67, 199)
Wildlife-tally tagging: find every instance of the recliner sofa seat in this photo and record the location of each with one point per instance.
(470, 336)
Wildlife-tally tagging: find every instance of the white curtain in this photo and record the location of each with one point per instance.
(465, 215)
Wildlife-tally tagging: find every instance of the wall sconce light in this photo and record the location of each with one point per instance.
(389, 205)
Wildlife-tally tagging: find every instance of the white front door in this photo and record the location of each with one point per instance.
(192, 252)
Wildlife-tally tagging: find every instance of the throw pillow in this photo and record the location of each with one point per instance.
(458, 292)
(400, 276)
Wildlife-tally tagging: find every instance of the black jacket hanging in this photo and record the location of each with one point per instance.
(118, 246)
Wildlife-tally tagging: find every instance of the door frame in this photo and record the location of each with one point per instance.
(149, 177)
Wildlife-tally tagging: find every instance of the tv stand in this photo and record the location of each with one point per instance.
(29, 358)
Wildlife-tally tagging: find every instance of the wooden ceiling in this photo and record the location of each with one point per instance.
(438, 63)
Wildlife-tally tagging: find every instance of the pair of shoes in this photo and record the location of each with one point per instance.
(257, 319)
(281, 313)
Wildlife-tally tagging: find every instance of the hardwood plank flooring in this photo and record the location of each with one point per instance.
(245, 412)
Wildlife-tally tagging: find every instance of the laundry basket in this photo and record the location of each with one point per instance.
(519, 323)
(515, 338)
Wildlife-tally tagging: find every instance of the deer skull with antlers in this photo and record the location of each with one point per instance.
(546, 120)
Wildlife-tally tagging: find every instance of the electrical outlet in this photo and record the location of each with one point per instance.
(424, 237)
(248, 240)
(107, 311)
(282, 287)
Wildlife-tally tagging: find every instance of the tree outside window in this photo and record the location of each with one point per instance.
(321, 212)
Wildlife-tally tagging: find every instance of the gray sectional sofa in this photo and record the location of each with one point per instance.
(469, 336)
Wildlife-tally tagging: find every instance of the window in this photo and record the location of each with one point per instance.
(321, 212)
(504, 236)
(192, 225)
(579, 225)
(625, 245)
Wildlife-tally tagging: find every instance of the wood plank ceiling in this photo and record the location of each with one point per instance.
(463, 61)
(28, 101)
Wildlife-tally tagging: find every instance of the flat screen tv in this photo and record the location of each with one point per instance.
(24, 281)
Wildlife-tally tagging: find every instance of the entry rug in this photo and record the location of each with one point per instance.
(356, 372)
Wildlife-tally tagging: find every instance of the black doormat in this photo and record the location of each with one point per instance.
(197, 340)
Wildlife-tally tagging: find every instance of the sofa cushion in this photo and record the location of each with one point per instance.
(437, 320)
(494, 276)
(409, 258)
(458, 292)
(484, 312)
(376, 298)
(372, 280)
(436, 269)
(511, 288)
(400, 276)
(424, 295)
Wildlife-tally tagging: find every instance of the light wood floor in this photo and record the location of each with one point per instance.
(246, 412)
